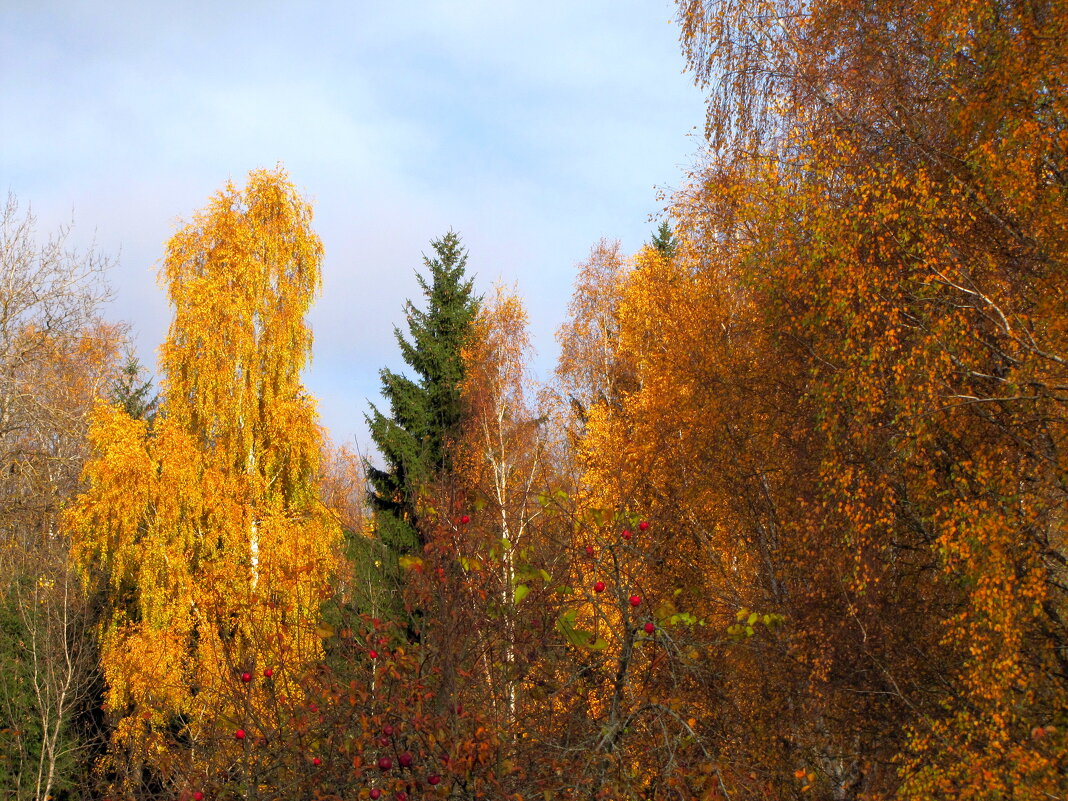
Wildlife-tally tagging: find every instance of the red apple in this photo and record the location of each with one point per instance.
(405, 759)
(626, 533)
(387, 730)
(589, 550)
(316, 761)
(433, 778)
(268, 673)
(465, 519)
(385, 763)
(246, 677)
(642, 526)
(239, 734)
(373, 654)
(313, 707)
(198, 796)
(400, 795)
(635, 600)
(376, 793)
(598, 587)
(649, 628)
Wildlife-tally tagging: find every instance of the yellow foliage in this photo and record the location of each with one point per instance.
(207, 529)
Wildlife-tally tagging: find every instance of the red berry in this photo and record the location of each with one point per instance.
(433, 778)
(385, 763)
(405, 759)
(268, 673)
(635, 600)
(383, 741)
(375, 793)
(387, 730)
(198, 796)
(316, 761)
(643, 525)
(465, 519)
(373, 654)
(626, 533)
(589, 550)
(598, 587)
(239, 734)
(246, 677)
(649, 628)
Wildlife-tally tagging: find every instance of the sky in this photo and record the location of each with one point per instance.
(533, 130)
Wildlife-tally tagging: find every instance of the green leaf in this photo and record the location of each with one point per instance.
(521, 592)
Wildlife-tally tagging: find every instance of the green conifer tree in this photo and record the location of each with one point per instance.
(425, 410)
(664, 241)
(134, 393)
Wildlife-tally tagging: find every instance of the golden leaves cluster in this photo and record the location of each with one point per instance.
(205, 531)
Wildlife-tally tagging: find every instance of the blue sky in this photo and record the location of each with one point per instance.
(532, 130)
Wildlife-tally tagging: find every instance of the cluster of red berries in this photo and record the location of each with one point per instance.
(404, 759)
(247, 677)
(635, 600)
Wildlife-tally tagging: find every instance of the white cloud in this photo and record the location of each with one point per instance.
(533, 131)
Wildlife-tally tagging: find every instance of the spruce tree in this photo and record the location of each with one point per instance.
(425, 410)
(133, 392)
(664, 241)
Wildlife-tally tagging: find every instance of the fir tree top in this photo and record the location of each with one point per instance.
(424, 410)
(664, 241)
(134, 393)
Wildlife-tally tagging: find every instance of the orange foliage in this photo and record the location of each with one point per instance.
(208, 529)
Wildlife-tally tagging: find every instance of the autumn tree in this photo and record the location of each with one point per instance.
(500, 473)
(591, 369)
(839, 387)
(206, 531)
(57, 357)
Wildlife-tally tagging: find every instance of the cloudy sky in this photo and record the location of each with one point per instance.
(531, 129)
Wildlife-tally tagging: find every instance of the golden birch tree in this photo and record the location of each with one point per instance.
(207, 531)
(502, 462)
